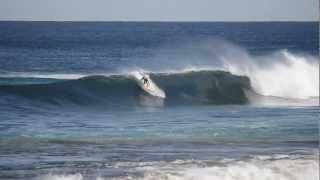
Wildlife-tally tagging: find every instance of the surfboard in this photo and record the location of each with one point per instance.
(151, 87)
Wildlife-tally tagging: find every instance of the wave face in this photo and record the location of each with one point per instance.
(204, 87)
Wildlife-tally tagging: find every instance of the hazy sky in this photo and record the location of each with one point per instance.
(160, 10)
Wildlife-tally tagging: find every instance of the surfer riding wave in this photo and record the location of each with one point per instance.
(146, 83)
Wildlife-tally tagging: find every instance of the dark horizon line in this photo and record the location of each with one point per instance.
(129, 21)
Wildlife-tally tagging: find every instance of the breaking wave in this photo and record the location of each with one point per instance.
(214, 72)
(204, 87)
(291, 76)
(284, 74)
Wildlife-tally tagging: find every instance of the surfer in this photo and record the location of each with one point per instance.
(145, 81)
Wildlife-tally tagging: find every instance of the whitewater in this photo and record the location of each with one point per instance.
(262, 168)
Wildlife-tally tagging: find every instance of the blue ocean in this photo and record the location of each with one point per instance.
(241, 101)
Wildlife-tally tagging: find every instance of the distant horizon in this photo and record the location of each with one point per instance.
(169, 21)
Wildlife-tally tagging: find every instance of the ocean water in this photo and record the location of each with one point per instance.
(241, 101)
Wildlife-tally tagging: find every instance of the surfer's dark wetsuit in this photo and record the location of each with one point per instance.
(145, 80)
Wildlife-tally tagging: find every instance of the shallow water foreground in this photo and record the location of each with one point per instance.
(197, 142)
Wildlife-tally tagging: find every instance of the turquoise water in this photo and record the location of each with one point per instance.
(91, 145)
(195, 124)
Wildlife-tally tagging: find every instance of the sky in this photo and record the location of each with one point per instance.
(159, 10)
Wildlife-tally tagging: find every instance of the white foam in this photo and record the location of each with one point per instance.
(283, 169)
(76, 176)
(45, 76)
(246, 171)
(287, 75)
(262, 167)
(62, 177)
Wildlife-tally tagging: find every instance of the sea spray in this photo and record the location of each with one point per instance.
(289, 76)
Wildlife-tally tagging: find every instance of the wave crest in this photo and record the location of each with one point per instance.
(204, 87)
